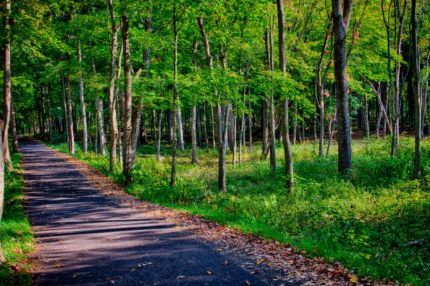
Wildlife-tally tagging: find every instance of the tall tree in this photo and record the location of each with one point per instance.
(286, 125)
(127, 108)
(7, 99)
(112, 93)
(2, 258)
(175, 95)
(416, 89)
(341, 14)
(82, 101)
(70, 118)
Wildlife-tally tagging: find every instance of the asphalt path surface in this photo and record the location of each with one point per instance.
(85, 238)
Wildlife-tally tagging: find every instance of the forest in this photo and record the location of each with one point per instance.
(301, 121)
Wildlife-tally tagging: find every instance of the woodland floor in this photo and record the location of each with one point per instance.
(89, 232)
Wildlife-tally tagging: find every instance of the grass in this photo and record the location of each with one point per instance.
(377, 223)
(15, 231)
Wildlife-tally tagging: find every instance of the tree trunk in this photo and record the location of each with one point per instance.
(233, 119)
(7, 87)
(416, 88)
(194, 159)
(341, 17)
(175, 98)
(180, 128)
(100, 125)
(112, 93)
(366, 117)
(82, 101)
(286, 126)
(251, 146)
(2, 258)
(15, 146)
(319, 90)
(205, 126)
(295, 124)
(127, 112)
(70, 118)
(159, 126)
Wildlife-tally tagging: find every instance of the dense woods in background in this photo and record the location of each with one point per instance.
(114, 75)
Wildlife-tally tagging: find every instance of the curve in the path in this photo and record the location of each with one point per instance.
(85, 238)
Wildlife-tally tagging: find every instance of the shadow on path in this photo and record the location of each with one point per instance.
(85, 238)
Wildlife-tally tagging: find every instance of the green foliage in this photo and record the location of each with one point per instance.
(15, 231)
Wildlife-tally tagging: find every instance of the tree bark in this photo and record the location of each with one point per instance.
(175, 97)
(70, 118)
(180, 128)
(194, 159)
(2, 258)
(127, 112)
(7, 87)
(100, 125)
(341, 13)
(159, 126)
(222, 116)
(15, 147)
(112, 93)
(416, 89)
(286, 126)
(319, 90)
(82, 101)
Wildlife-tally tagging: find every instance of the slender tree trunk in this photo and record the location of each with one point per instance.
(70, 118)
(127, 112)
(319, 90)
(159, 126)
(272, 135)
(205, 126)
(341, 17)
(233, 137)
(100, 125)
(175, 97)
(366, 117)
(82, 101)
(194, 159)
(180, 128)
(265, 129)
(66, 121)
(213, 129)
(295, 125)
(15, 146)
(251, 147)
(7, 87)
(416, 89)
(2, 258)
(112, 93)
(286, 126)
(330, 133)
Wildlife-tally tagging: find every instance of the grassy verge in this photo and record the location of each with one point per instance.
(15, 230)
(376, 224)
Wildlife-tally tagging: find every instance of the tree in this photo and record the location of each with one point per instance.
(2, 258)
(286, 125)
(127, 112)
(112, 93)
(82, 101)
(341, 14)
(416, 90)
(7, 99)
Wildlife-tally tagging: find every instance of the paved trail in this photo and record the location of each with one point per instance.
(86, 238)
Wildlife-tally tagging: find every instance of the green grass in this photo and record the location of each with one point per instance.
(15, 231)
(377, 223)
